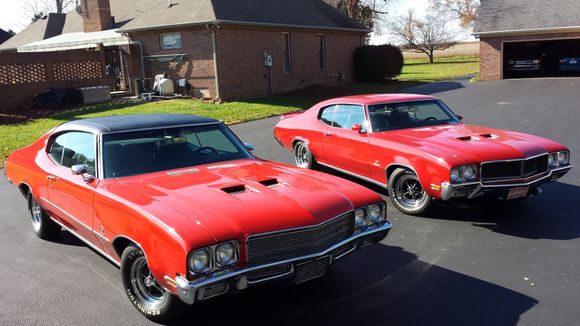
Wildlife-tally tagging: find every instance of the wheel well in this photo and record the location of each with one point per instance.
(24, 189)
(392, 169)
(121, 243)
(296, 141)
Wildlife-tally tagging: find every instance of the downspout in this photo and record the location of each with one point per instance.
(140, 44)
(213, 28)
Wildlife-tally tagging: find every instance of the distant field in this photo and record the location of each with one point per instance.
(467, 49)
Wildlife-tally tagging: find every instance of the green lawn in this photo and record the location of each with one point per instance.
(13, 136)
(443, 68)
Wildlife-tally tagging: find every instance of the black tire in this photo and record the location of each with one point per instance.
(146, 295)
(42, 225)
(407, 193)
(303, 156)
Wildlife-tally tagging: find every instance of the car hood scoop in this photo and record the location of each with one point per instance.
(477, 137)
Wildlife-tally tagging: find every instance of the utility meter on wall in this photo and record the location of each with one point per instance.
(267, 59)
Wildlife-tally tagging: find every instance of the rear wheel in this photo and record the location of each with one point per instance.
(43, 226)
(303, 156)
(151, 299)
(407, 194)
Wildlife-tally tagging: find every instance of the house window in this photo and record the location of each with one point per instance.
(171, 41)
(322, 52)
(287, 52)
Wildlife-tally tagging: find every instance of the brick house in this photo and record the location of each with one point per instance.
(531, 38)
(223, 49)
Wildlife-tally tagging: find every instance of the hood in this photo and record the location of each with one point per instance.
(464, 144)
(244, 197)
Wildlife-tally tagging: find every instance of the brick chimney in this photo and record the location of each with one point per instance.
(96, 15)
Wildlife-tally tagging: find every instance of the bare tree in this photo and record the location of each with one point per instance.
(367, 12)
(36, 9)
(464, 10)
(424, 35)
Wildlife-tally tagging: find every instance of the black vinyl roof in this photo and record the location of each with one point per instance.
(132, 122)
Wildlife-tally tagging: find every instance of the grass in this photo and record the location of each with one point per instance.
(415, 71)
(444, 68)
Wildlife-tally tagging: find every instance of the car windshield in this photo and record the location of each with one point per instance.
(138, 152)
(392, 116)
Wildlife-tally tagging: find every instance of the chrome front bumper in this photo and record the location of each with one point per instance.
(192, 291)
(475, 189)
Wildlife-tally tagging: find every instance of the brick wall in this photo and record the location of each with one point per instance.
(241, 60)
(491, 64)
(22, 75)
(197, 66)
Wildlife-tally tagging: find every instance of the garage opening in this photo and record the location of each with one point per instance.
(532, 59)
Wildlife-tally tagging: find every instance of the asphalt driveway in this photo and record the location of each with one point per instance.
(494, 266)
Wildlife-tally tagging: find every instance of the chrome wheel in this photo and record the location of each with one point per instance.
(144, 285)
(35, 215)
(407, 193)
(302, 156)
(410, 193)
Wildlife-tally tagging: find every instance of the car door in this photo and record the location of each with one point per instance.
(345, 148)
(71, 196)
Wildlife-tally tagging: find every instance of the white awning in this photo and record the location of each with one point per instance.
(80, 40)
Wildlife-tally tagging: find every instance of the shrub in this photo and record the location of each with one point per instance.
(378, 63)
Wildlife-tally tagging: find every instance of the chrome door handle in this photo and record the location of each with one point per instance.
(52, 178)
(326, 133)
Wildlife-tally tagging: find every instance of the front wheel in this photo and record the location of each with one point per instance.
(407, 194)
(43, 226)
(152, 300)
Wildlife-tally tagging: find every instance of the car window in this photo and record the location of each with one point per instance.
(74, 148)
(327, 114)
(57, 148)
(80, 149)
(346, 116)
(139, 152)
(391, 116)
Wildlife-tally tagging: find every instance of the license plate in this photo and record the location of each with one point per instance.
(311, 270)
(518, 193)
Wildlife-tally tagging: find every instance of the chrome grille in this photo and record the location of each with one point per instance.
(299, 242)
(514, 169)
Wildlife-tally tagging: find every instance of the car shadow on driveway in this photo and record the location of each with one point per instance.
(381, 285)
(550, 215)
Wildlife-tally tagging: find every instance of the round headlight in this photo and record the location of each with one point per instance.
(552, 159)
(360, 218)
(455, 175)
(225, 254)
(469, 172)
(563, 158)
(375, 213)
(199, 261)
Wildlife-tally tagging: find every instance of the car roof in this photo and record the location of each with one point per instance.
(370, 99)
(132, 122)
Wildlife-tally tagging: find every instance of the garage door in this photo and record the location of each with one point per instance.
(555, 58)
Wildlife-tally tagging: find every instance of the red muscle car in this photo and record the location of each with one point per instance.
(418, 149)
(185, 209)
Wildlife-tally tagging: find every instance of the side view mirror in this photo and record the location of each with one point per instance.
(249, 146)
(81, 169)
(78, 169)
(460, 117)
(359, 128)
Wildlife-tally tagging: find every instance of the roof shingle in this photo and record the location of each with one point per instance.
(298, 13)
(515, 15)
